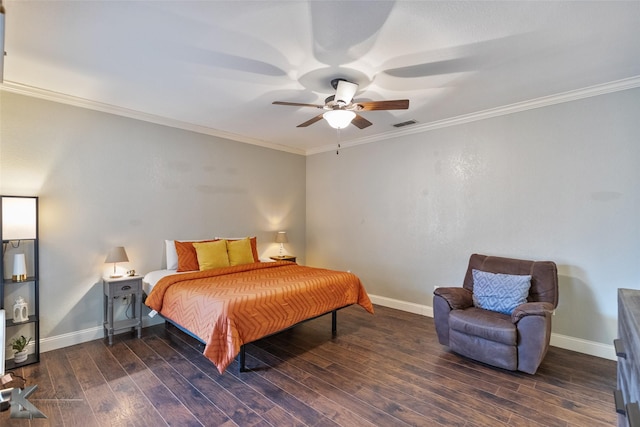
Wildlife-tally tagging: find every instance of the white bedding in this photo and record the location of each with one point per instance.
(150, 279)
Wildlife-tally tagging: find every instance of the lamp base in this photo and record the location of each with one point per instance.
(115, 276)
(19, 277)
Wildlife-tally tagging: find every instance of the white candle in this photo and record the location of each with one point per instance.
(19, 268)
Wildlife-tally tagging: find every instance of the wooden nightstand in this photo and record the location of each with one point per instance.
(291, 258)
(115, 288)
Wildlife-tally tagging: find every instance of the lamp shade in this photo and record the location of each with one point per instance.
(117, 254)
(18, 218)
(339, 119)
(281, 237)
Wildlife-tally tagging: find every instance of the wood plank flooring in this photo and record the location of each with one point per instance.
(381, 370)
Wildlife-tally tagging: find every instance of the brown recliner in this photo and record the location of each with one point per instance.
(515, 342)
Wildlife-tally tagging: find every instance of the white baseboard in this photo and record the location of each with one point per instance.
(583, 346)
(562, 341)
(72, 338)
(409, 307)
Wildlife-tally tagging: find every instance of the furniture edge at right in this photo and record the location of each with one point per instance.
(627, 395)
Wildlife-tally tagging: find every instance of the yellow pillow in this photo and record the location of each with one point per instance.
(211, 254)
(239, 251)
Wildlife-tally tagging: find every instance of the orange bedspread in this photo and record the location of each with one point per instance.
(231, 306)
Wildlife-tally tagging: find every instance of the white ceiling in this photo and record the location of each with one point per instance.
(216, 66)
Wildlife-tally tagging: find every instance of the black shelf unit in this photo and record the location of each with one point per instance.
(31, 284)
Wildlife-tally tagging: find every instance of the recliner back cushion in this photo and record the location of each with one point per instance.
(544, 275)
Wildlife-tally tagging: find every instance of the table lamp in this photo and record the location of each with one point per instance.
(117, 254)
(281, 237)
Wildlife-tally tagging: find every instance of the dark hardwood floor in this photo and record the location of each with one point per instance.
(381, 370)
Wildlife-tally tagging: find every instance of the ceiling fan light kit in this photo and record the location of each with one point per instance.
(339, 119)
(342, 110)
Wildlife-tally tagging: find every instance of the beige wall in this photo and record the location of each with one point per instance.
(105, 180)
(554, 183)
(558, 183)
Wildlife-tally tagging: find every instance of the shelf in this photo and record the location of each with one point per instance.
(19, 219)
(10, 364)
(30, 279)
(124, 324)
(32, 319)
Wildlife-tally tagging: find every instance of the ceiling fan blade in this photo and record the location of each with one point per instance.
(345, 91)
(310, 121)
(360, 122)
(398, 104)
(447, 66)
(297, 104)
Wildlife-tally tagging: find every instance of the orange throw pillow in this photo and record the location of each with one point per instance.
(187, 257)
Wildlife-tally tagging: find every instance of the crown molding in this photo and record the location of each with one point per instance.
(546, 101)
(61, 98)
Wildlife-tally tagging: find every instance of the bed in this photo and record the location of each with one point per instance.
(228, 307)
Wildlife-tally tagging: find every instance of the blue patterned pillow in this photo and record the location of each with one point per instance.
(499, 292)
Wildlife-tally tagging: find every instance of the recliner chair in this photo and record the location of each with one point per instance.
(515, 341)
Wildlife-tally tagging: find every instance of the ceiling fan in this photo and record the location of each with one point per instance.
(341, 109)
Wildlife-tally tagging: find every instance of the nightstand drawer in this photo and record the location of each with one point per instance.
(122, 287)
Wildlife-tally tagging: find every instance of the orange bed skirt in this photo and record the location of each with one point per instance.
(231, 306)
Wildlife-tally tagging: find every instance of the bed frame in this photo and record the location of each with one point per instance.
(242, 354)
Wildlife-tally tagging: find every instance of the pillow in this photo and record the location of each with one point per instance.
(187, 258)
(239, 251)
(254, 245)
(171, 255)
(499, 292)
(211, 254)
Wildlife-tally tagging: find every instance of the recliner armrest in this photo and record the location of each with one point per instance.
(531, 309)
(457, 298)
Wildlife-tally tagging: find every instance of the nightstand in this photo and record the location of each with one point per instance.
(115, 288)
(291, 258)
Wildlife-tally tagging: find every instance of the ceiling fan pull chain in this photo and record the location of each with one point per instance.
(338, 150)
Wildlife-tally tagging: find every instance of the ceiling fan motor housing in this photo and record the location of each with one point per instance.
(345, 90)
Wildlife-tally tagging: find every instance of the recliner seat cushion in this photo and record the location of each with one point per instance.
(486, 351)
(490, 325)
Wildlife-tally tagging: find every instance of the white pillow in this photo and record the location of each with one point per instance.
(172, 255)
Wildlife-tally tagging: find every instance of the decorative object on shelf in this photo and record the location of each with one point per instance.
(19, 268)
(19, 346)
(20, 310)
(281, 237)
(117, 254)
